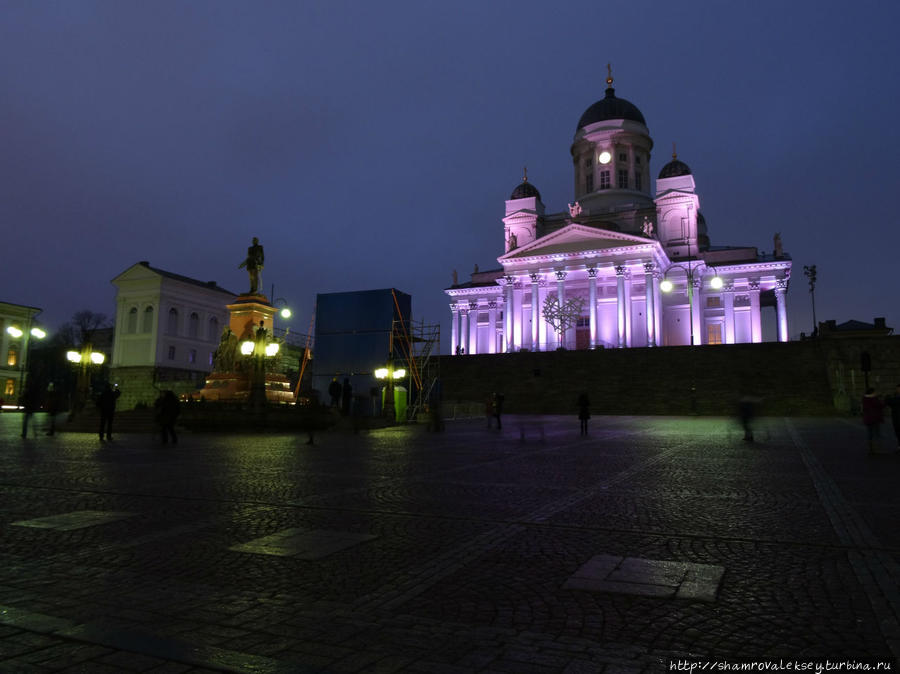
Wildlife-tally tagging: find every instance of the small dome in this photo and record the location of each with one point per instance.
(674, 169)
(524, 190)
(611, 107)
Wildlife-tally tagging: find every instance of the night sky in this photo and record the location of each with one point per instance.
(372, 144)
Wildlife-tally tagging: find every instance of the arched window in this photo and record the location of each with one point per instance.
(131, 328)
(213, 329)
(193, 325)
(12, 356)
(172, 325)
(147, 325)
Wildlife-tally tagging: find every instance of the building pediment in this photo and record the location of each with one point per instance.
(137, 272)
(576, 239)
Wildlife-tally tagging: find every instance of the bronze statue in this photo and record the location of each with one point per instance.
(223, 360)
(254, 265)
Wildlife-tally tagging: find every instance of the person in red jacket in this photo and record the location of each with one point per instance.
(873, 415)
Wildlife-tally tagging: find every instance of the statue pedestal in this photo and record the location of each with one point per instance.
(244, 384)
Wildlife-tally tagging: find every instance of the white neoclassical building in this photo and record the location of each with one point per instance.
(638, 267)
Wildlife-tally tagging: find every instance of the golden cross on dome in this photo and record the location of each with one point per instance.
(609, 77)
(525, 178)
(674, 154)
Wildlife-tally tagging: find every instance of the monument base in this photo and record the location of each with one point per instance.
(235, 387)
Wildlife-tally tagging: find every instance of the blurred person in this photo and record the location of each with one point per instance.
(498, 409)
(746, 414)
(167, 410)
(53, 405)
(584, 412)
(334, 390)
(106, 403)
(29, 404)
(873, 416)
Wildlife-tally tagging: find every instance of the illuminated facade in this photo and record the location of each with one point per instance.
(640, 266)
(16, 322)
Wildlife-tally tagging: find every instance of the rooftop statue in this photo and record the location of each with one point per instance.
(254, 265)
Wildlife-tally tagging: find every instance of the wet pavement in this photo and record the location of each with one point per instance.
(651, 543)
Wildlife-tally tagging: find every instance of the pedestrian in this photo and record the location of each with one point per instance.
(29, 404)
(53, 405)
(106, 403)
(894, 403)
(489, 409)
(873, 415)
(346, 397)
(334, 390)
(498, 409)
(167, 410)
(746, 412)
(584, 412)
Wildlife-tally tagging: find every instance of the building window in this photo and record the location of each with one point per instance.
(714, 333)
(192, 356)
(10, 388)
(637, 180)
(171, 353)
(623, 156)
(604, 180)
(172, 325)
(147, 325)
(714, 302)
(637, 160)
(623, 179)
(212, 358)
(589, 182)
(12, 356)
(213, 329)
(193, 325)
(132, 321)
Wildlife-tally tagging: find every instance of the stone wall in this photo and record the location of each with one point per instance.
(142, 385)
(843, 357)
(791, 378)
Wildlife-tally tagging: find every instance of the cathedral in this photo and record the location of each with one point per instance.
(620, 267)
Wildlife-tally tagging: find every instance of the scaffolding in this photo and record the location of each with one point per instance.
(417, 344)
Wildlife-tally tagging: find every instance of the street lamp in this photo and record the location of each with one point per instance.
(667, 286)
(258, 349)
(85, 359)
(810, 272)
(388, 375)
(16, 333)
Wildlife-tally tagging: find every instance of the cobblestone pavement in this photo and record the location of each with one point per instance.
(401, 550)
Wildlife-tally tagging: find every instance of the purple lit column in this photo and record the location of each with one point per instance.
(492, 326)
(464, 329)
(592, 298)
(561, 296)
(620, 304)
(698, 311)
(755, 321)
(454, 329)
(535, 311)
(628, 312)
(728, 295)
(473, 327)
(508, 316)
(649, 309)
(781, 309)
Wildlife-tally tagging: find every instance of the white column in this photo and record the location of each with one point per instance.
(649, 308)
(464, 329)
(561, 297)
(781, 309)
(628, 309)
(473, 327)
(755, 319)
(492, 326)
(535, 311)
(658, 306)
(699, 312)
(592, 298)
(454, 329)
(545, 327)
(728, 295)
(497, 327)
(508, 316)
(620, 303)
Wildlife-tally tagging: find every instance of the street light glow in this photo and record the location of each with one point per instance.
(666, 285)
(285, 313)
(272, 349)
(399, 374)
(38, 333)
(73, 356)
(97, 358)
(14, 331)
(247, 347)
(381, 373)
(715, 283)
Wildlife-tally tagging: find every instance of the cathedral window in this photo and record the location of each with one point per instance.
(171, 353)
(213, 328)
(192, 356)
(10, 388)
(714, 333)
(623, 179)
(637, 160)
(148, 320)
(172, 326)
(623, 156)
(637, 180)
(132, 321)
(714, 302)
(12, 356)
(604, 180)
(589, 182)
(193, 325)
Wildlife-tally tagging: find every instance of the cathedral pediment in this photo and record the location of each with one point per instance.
(576, 239)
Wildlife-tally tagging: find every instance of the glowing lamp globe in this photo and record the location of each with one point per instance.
(381, 373)
(73, 356)
(97, 358)
(604, 157)
(14, 331)
(38, 333)
(271, 349)
(666, 285)
(399, 374)
(247, 347)
(285, 313)
(715, 283)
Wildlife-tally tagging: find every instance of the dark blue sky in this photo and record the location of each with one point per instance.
(371, 145)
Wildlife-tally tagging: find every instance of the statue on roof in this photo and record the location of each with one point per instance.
(779, 251)
(254, 265)
(513, 242)
(647, 228)
(574, 210)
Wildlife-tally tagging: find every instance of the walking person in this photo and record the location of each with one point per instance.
(498, 409)
(873, 415)
(346, 398)
(53, 405)
(167, 410)
(584, 412)
(29, 405)
(334, 390)
(894, 403)
(106, 403)
(489, 410)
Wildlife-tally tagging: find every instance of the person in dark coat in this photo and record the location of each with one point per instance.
(873, 416)
(894, 403)
(334, 390)
(346, 398)
(498, 409)
(29, 405)
(106, 403)
(584, 412)
(167, 410)
(54, 403)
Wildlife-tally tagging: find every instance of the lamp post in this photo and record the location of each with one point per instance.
(667, 286)
(16, 332)
(388, 375)
(258, 349)
(810, 272)
(85, 358)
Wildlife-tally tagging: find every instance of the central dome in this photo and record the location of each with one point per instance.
(611, 107)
